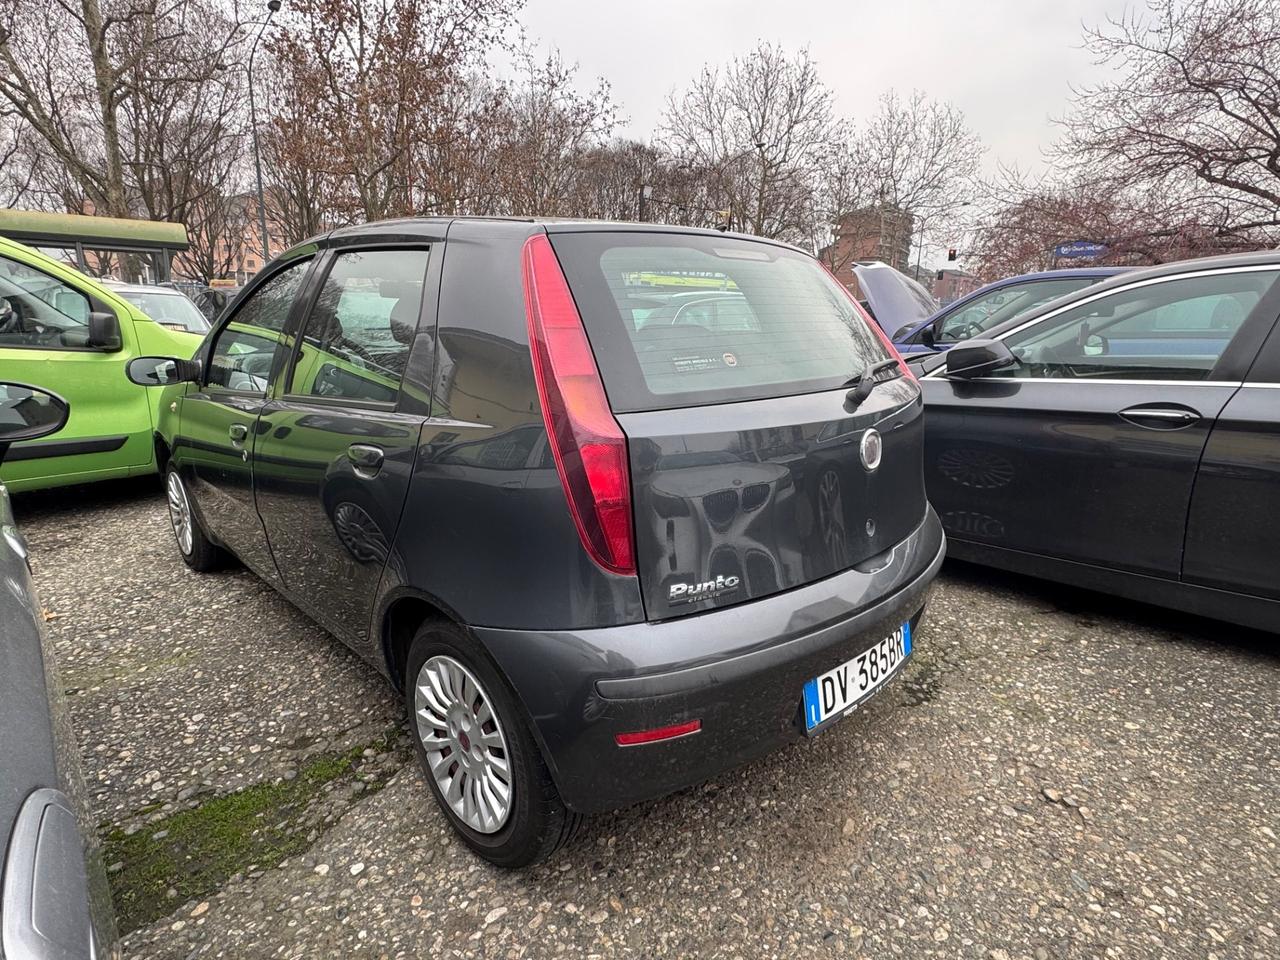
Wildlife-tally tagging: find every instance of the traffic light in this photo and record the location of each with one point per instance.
(951, 253)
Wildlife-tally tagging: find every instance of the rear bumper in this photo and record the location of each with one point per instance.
(739, 670)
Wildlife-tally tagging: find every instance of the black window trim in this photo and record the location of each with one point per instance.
(284, 375)
(310, 258)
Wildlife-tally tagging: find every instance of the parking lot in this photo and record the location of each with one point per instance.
(1055, 775)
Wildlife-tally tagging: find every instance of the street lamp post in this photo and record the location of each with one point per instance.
(272, 7)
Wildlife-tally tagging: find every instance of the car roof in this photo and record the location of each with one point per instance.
(436, 226)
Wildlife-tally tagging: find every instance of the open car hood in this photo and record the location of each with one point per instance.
(895, 299)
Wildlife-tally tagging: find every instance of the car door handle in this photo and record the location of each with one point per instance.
(238, 432)
(366, 459)
(1169, 417)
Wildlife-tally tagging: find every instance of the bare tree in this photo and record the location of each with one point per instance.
(216, 223)
(78, 72)
(366, 81)
(1027, 219)
(546, 127)
(17, 164)
(918, 156)
(1193, 112)
(760, 129)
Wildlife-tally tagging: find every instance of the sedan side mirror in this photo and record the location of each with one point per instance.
(162, 371)
(973, 358)
(28, 413)
(104, 331)
(928, 336)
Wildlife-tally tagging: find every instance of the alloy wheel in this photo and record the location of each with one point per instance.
(465, 744)
(180, 513)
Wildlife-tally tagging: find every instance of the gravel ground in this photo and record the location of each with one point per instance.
(1056, 775)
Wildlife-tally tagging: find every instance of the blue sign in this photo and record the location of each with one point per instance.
(1079, 249)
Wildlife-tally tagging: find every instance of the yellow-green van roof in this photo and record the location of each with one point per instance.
(39, 226)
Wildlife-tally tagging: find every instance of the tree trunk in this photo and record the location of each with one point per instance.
(114, 198)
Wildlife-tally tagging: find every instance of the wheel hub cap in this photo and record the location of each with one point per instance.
(179, 512)
(465, 744)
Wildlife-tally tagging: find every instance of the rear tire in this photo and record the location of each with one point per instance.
(477, 710)
(197, 550)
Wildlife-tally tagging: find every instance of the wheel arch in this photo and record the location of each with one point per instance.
(404, 612)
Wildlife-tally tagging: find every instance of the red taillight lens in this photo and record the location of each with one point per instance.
(658, 733)
(590, 448)
(875, 327)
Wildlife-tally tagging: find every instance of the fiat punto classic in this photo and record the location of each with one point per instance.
(615, 507)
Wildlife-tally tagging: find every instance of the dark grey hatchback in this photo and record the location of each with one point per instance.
(615, 507)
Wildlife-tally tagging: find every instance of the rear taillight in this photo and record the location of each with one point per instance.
(875, 327)
(590, 448)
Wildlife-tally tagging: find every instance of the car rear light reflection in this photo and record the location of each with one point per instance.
(589, 447)
(658, 733)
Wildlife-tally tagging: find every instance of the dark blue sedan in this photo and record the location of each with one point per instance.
(902, 312)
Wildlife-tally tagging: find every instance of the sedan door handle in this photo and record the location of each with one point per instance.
(238, 432)
(366, 459)
(1170, 417)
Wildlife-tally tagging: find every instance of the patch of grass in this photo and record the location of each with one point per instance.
(195, 851)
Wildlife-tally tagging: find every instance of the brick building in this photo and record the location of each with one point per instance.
(881, 232)
(951, 285)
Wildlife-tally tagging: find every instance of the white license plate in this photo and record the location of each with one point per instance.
(840, 690)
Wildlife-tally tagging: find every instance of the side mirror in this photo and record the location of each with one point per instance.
(1096, 345)
(928, 336)
(973, 358)
(28, 413)
(104, 331)
(161, 371)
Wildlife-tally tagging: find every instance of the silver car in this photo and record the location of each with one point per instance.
(54, 902)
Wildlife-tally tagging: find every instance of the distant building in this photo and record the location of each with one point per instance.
(925, 276)
(881, 232)
(951, 285)
(242, 250)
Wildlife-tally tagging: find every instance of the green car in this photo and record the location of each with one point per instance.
(64, 332)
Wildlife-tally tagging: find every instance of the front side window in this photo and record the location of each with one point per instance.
(355, 344)
(1170, 330)
(986, 312)
(37, 310)
(245, 348)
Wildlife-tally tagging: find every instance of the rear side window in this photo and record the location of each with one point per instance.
(681, 320)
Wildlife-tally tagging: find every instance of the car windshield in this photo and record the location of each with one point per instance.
(172, 310)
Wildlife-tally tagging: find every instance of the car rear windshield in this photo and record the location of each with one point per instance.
(682, 320)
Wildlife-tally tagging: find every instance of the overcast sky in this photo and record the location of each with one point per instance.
(1008, 64)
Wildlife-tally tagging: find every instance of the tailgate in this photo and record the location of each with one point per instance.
(728, 364)
(740, 501)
